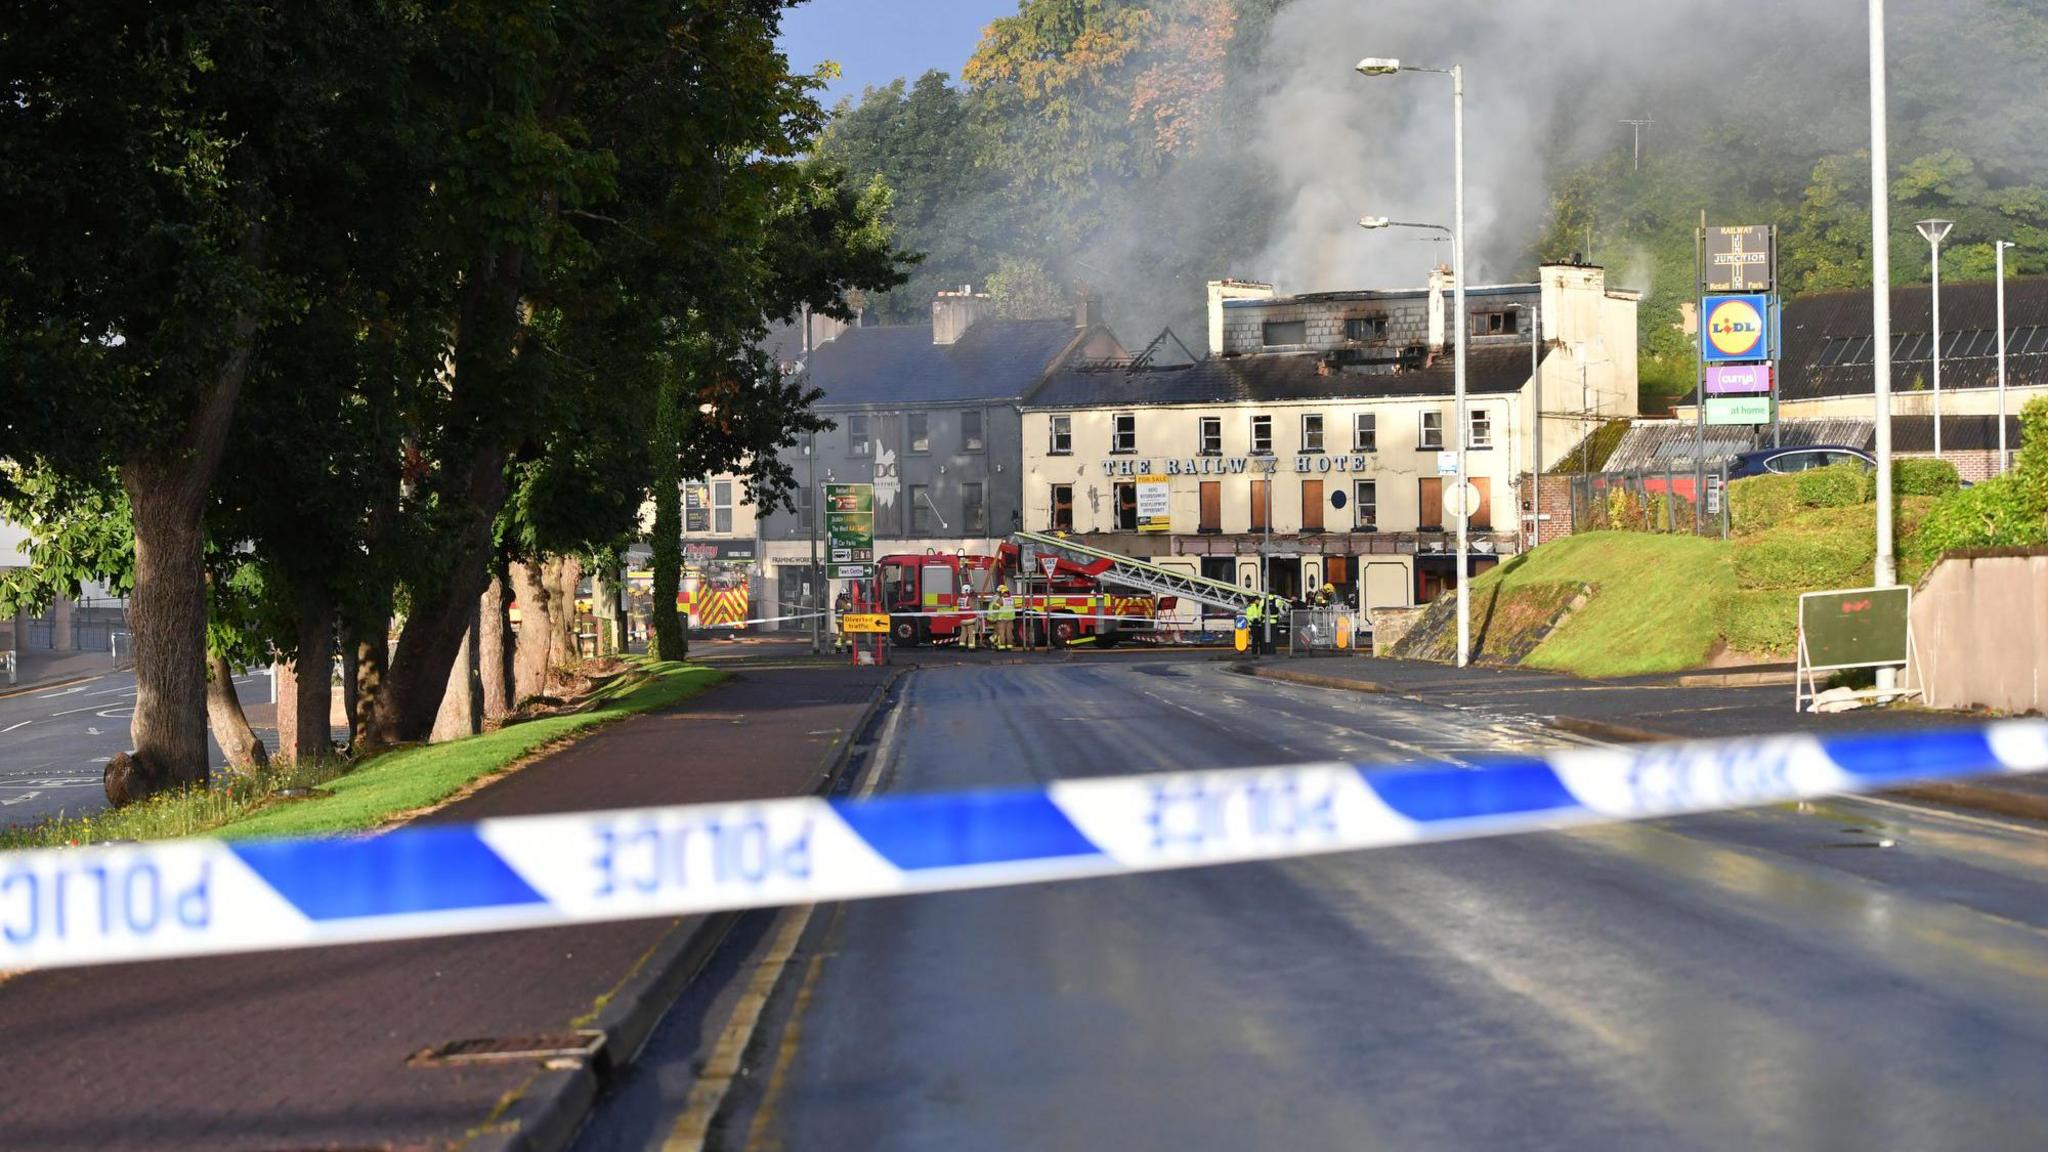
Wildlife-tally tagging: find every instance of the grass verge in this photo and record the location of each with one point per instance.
(367, 794)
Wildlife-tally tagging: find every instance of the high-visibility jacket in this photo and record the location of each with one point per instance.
(1006, 609)
(1255, 611)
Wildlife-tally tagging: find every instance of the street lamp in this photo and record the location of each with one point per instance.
(1887, 573)
(1385, 66)
(1936, 231)
(1999, 246)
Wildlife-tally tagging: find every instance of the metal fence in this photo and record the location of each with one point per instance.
(1690, 502)
(1324, 630)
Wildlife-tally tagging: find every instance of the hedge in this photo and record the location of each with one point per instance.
(1836, 486)
(1920, 476)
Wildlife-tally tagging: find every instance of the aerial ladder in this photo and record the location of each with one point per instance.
(1111, 568)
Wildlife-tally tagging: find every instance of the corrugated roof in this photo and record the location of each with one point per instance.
(899, 364)
(1655, 444)
(1275, 377)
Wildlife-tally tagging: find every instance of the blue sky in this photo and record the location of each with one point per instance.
(875, 41)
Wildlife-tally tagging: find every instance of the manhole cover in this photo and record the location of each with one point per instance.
(545, 1046)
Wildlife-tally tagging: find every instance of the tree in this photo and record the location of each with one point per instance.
(1021, 289)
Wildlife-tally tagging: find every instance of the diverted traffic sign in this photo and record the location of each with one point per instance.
(864, 622)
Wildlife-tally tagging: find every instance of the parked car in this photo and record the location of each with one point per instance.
(1778, 461)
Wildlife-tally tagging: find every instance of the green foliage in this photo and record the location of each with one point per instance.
(1761, 622)
(1828, 547)
(1761, 503)
(1836, 486)
(2009, 511)
(1917, 476)
(1021, 289)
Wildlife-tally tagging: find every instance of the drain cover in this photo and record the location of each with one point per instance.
(545, 1046)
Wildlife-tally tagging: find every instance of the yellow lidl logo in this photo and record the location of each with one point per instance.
(1735, 328)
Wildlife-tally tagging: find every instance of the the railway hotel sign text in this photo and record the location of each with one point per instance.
(1305, 464)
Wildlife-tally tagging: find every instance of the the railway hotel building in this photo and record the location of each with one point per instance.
(1315, 427)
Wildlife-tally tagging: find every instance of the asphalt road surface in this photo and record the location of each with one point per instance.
(55, 744)
(1840, 975)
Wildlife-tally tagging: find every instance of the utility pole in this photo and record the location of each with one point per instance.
(1887, 573)
(817, 580)
(1639, 125)
(2000, 247)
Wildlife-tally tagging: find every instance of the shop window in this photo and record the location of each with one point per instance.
(1124, 439)
(1062, 519)
(1210, 430)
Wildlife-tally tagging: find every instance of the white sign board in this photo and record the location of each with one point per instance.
(1051, 564)
(1447, 463)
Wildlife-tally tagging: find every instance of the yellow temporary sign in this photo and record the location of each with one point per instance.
(866, 622)
(1343, 632)
(1242, 637)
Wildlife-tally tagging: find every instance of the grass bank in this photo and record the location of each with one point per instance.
(365, 795)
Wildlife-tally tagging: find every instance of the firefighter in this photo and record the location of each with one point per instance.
(970, 619)
(1005, 616)
(841, 605)
(1254, 621)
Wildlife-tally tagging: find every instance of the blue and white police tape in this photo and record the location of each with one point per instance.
(183, 898)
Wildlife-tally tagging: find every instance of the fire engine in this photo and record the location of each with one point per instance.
(922, 593)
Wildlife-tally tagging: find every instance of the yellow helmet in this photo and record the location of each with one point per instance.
(1003, 588)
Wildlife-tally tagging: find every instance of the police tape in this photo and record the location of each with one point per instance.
(193, 897)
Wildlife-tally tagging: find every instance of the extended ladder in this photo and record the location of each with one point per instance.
(1129, 573)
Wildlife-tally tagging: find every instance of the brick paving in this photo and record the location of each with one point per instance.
(307, 1049)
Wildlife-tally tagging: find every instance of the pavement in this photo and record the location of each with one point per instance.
(309, 1049)
(1649, 708)
(1847, 974)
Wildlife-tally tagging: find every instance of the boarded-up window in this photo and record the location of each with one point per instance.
(1311, 505)
(1483, 517)
(1431, 518)
(1261, 500)
(1062, 508)
(1212, 506)
(1337, 571)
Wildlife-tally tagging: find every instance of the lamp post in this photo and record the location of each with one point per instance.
(1999, 247)
(1382, 66)
(1936, 231)
(1887, 573)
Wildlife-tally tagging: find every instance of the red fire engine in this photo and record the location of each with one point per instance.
(922, 593)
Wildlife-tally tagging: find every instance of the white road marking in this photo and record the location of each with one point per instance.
(74, 711)
(113, 692)
(92, 731)
(61, 692)
(21, 799)
(23, 724)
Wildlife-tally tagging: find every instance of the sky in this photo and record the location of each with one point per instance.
(875, 41)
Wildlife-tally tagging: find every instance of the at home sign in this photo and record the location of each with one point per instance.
(1230, 465)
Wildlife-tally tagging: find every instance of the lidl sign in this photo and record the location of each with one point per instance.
(1736, 329)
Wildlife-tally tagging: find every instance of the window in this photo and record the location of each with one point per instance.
(696, 508)
(920, 432)
(1212, 506)
(1337, 574)
(1430, 502)
(1311, 505)
(1124, 439)
(920, 510)
(857, 442)
(1365, 432)
(1365, 506)
(1482, 428)
(1211, 430)
(1062, 508)
(1312, 432)
(1061, 442)
(1262, 435)
(1126, 507)
(807, 507)
(970, 431)
(1493, 323)
(1432, 436)
(721, 506)
(973, 513)
(1365, 328)
(1262, 496)
(1285, 332)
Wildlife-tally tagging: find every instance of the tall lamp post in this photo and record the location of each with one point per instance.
(1936, 231)
(1887, 573)
(1382, 66)
(1999, 247)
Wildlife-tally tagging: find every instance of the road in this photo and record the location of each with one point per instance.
(54, 744)
(1845, 975)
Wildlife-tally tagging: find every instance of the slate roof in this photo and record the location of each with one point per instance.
(899, 366)
(1821, 357)
(1275, 377)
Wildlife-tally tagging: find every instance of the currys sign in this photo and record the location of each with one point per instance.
(1738, 379)
(1735, 329)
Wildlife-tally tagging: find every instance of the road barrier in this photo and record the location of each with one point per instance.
(193, 897)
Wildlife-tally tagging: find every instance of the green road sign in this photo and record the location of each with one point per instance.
(850, 530)
(1858, 628)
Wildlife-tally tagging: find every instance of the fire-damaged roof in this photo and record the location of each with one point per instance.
(899, 365)
(1828, 339)
(1277, 377)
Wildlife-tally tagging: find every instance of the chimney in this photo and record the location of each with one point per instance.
(1440, 282)
(1087, 310)
(1221, 290)
(953, 313)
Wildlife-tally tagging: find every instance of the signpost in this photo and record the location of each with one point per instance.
(850, 530)
(1738, 409)
(1051, 564)
(1853, 628)
(864, 622)
(1737, 329)
(1155, 504)
(1739, 258)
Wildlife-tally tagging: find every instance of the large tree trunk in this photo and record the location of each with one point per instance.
(494, 666)
(312, 738)
(458, 717)
(603, 608)
(563, 574)
(531, 643)
(230, 724)
(667, 639)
